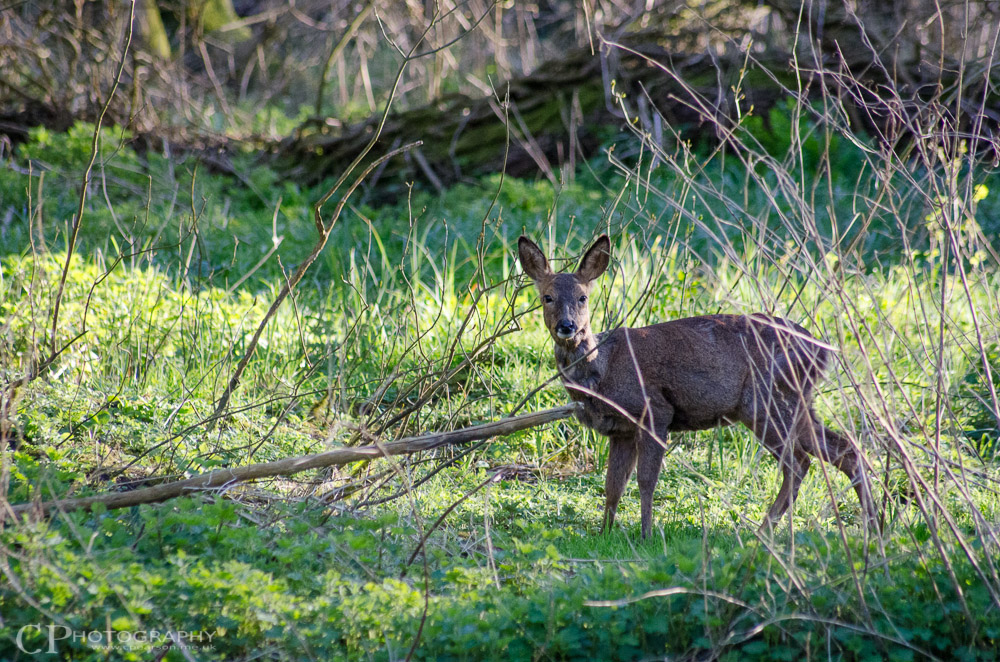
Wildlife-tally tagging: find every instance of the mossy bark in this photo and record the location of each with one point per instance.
(154, 35)
(213, 15)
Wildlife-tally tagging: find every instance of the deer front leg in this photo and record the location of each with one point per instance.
(650, 460)
(621, 462)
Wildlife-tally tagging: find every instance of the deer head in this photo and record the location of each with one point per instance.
(565, 295)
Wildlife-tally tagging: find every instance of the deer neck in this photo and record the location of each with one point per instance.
(582, 363)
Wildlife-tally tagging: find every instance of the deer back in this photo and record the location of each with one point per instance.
(709, 369)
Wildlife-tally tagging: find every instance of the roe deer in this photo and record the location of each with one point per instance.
(636, 385)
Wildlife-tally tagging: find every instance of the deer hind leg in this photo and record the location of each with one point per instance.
(839, 451)
(621, 461)
(777, 434)
(793, 471)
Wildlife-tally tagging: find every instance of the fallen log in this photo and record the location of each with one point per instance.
(885, 73)
(552, 118)
(336, 457)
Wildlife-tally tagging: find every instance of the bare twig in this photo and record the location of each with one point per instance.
(94, 146)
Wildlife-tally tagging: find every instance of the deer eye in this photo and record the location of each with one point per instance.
(583, 299)
(547, 299)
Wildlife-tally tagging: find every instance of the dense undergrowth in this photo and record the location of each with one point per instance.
(411, 321)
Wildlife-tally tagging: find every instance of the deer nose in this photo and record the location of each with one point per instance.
(566, 329)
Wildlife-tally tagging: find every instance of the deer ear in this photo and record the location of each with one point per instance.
(532, 259)
(595, 262)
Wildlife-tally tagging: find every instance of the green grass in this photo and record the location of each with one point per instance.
(412, 308)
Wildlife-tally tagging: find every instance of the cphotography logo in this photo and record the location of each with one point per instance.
(38, 638)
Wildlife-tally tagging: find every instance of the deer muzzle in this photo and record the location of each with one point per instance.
(565, 329)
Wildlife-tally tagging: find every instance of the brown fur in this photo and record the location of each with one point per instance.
(688, 374)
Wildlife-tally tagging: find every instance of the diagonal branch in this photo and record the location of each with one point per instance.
(290, 283)
(324, 228)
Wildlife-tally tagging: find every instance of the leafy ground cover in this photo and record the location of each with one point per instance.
(412, 321)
